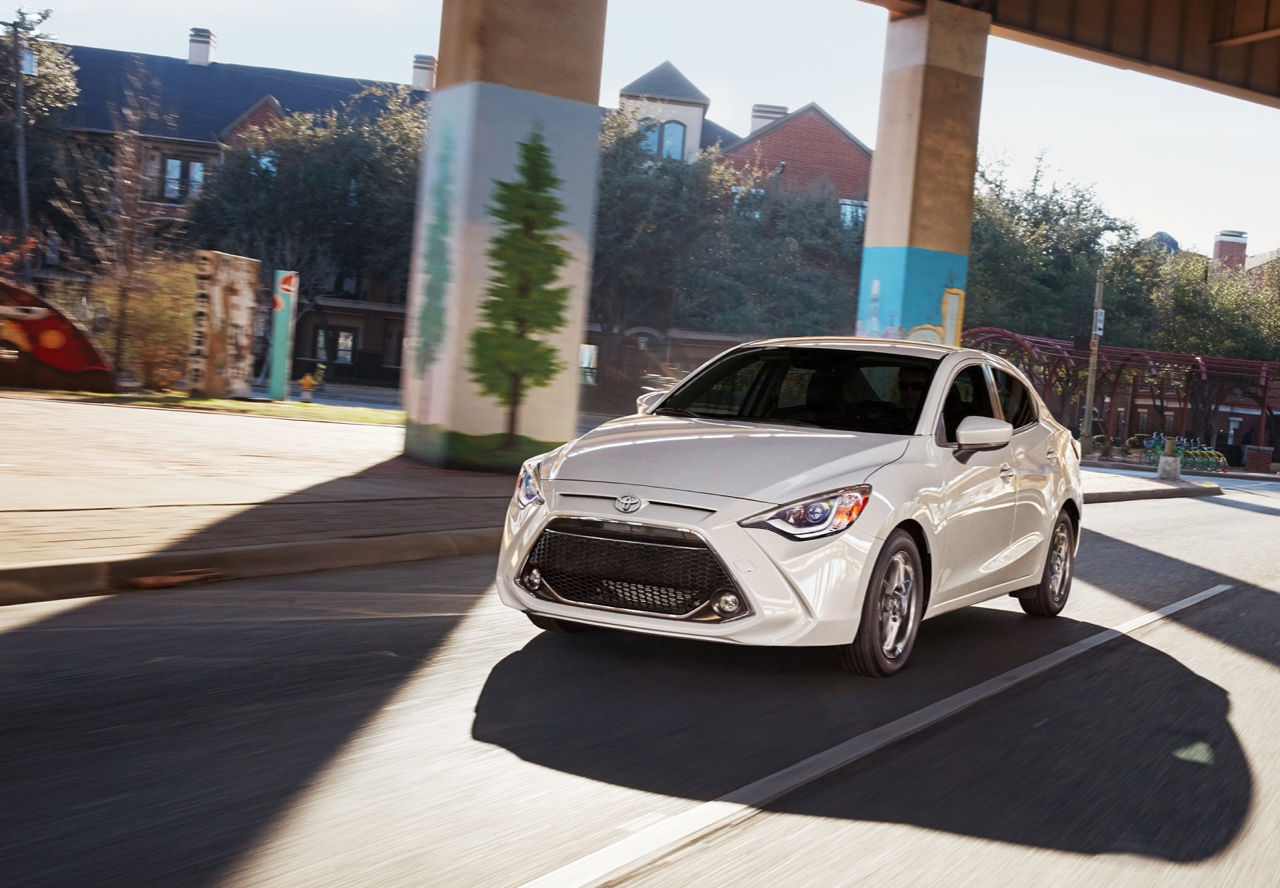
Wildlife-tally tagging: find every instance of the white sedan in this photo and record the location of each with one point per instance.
(818, 491)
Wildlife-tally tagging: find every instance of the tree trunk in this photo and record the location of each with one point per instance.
(514, 394)
(122, 327)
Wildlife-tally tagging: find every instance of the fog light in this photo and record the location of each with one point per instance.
(727, 604)
(533, 580)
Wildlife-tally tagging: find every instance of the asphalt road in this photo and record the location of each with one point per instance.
(398, 727)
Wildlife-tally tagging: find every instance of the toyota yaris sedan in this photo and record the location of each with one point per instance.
(818, 491)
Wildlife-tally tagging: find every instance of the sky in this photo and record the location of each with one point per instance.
(1166, 156)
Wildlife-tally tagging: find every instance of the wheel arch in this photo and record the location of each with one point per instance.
(1072, 508)
(916, 530)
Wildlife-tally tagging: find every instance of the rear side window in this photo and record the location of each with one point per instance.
(1016, 402)
(967, 396)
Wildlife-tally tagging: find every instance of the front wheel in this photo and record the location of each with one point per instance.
(891, 612)
(1049, 597)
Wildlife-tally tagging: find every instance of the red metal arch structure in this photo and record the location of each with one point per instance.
(1199, 386)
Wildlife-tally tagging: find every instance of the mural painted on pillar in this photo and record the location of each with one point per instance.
(436, 270)
(41, 348)
(524, 299)
(220, 364)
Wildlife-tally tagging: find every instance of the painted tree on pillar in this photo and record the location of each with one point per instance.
(523, 300)
(436, 270)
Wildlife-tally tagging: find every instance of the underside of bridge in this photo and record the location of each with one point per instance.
(1228, 46)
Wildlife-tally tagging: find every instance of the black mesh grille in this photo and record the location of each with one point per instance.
(580, 564)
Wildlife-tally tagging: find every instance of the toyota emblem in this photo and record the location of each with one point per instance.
(627, 503)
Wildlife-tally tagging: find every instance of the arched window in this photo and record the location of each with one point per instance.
(664, 139)
(673, 139)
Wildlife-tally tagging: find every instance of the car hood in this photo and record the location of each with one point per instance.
(771, 463)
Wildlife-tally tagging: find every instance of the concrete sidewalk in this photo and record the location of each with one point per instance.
(100, 498)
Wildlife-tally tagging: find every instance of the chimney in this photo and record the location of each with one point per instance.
(1229, 249)
(763, 115)
(200, 48)
(424, 72)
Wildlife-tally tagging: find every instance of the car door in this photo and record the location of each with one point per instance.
(1035, 464)
(976, 499)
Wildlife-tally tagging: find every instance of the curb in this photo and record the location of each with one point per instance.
(49, 582)
(1120, 496)
(58, 580)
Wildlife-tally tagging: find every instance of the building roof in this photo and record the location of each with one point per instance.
(665, 82)
(714, 134)
(794, 115)
(196, 102)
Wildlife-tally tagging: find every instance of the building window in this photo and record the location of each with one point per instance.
(1142, 422)
(853, 213)
(182, 179)
(345, 340)
(664, 139)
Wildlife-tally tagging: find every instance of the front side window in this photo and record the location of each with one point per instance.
(1016, 402)
(832, 388)
(968, 395)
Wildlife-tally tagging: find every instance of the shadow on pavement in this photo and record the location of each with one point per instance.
(1107, 755)
(151, 738)
(1150, 580)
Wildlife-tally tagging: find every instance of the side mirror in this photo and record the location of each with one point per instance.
(646, 402)
(983, 433)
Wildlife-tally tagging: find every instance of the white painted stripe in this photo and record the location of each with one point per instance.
(654, 842)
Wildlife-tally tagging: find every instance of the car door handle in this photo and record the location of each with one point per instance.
(1051, 456)
(1007, 472)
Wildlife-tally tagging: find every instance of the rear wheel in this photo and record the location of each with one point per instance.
(891, 612)
(1049, 597)
(551, 624)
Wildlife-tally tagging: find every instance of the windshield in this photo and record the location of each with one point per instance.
(859, 391)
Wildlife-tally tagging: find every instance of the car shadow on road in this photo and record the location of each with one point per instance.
(1124, 750)
(151, 738)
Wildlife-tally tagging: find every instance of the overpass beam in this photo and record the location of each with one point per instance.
(920, 208)
(501, 263)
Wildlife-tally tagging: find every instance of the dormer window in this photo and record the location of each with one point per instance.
(665, 139)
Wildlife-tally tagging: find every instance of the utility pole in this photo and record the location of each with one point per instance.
(1086, 421)
(20, 130)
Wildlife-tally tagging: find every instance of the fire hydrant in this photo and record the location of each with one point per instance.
(306, 384)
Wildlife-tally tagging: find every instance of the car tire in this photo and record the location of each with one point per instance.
(551, 624)
(1049, 596)
(891, 612)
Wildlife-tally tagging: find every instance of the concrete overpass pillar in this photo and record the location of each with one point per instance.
(920, 207)
(501, 266)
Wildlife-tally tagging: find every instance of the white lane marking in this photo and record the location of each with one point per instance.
(656, 841)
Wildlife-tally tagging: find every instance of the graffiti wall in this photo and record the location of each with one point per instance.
(221, 360)
(41, 348)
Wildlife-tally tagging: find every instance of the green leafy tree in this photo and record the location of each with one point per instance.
(778, 263)
(649, 212)
(330, 195)
(47, 94)
(523, 300)
(1035, 253)
(436, 271)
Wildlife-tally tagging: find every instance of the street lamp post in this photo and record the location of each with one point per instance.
(1086, 421)
(20, 132)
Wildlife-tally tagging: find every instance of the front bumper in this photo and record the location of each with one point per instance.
(793, 592)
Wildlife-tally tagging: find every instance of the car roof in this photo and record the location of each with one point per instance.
(937, 351)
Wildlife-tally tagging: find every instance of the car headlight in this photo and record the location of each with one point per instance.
(528, 490)
(815, 517)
